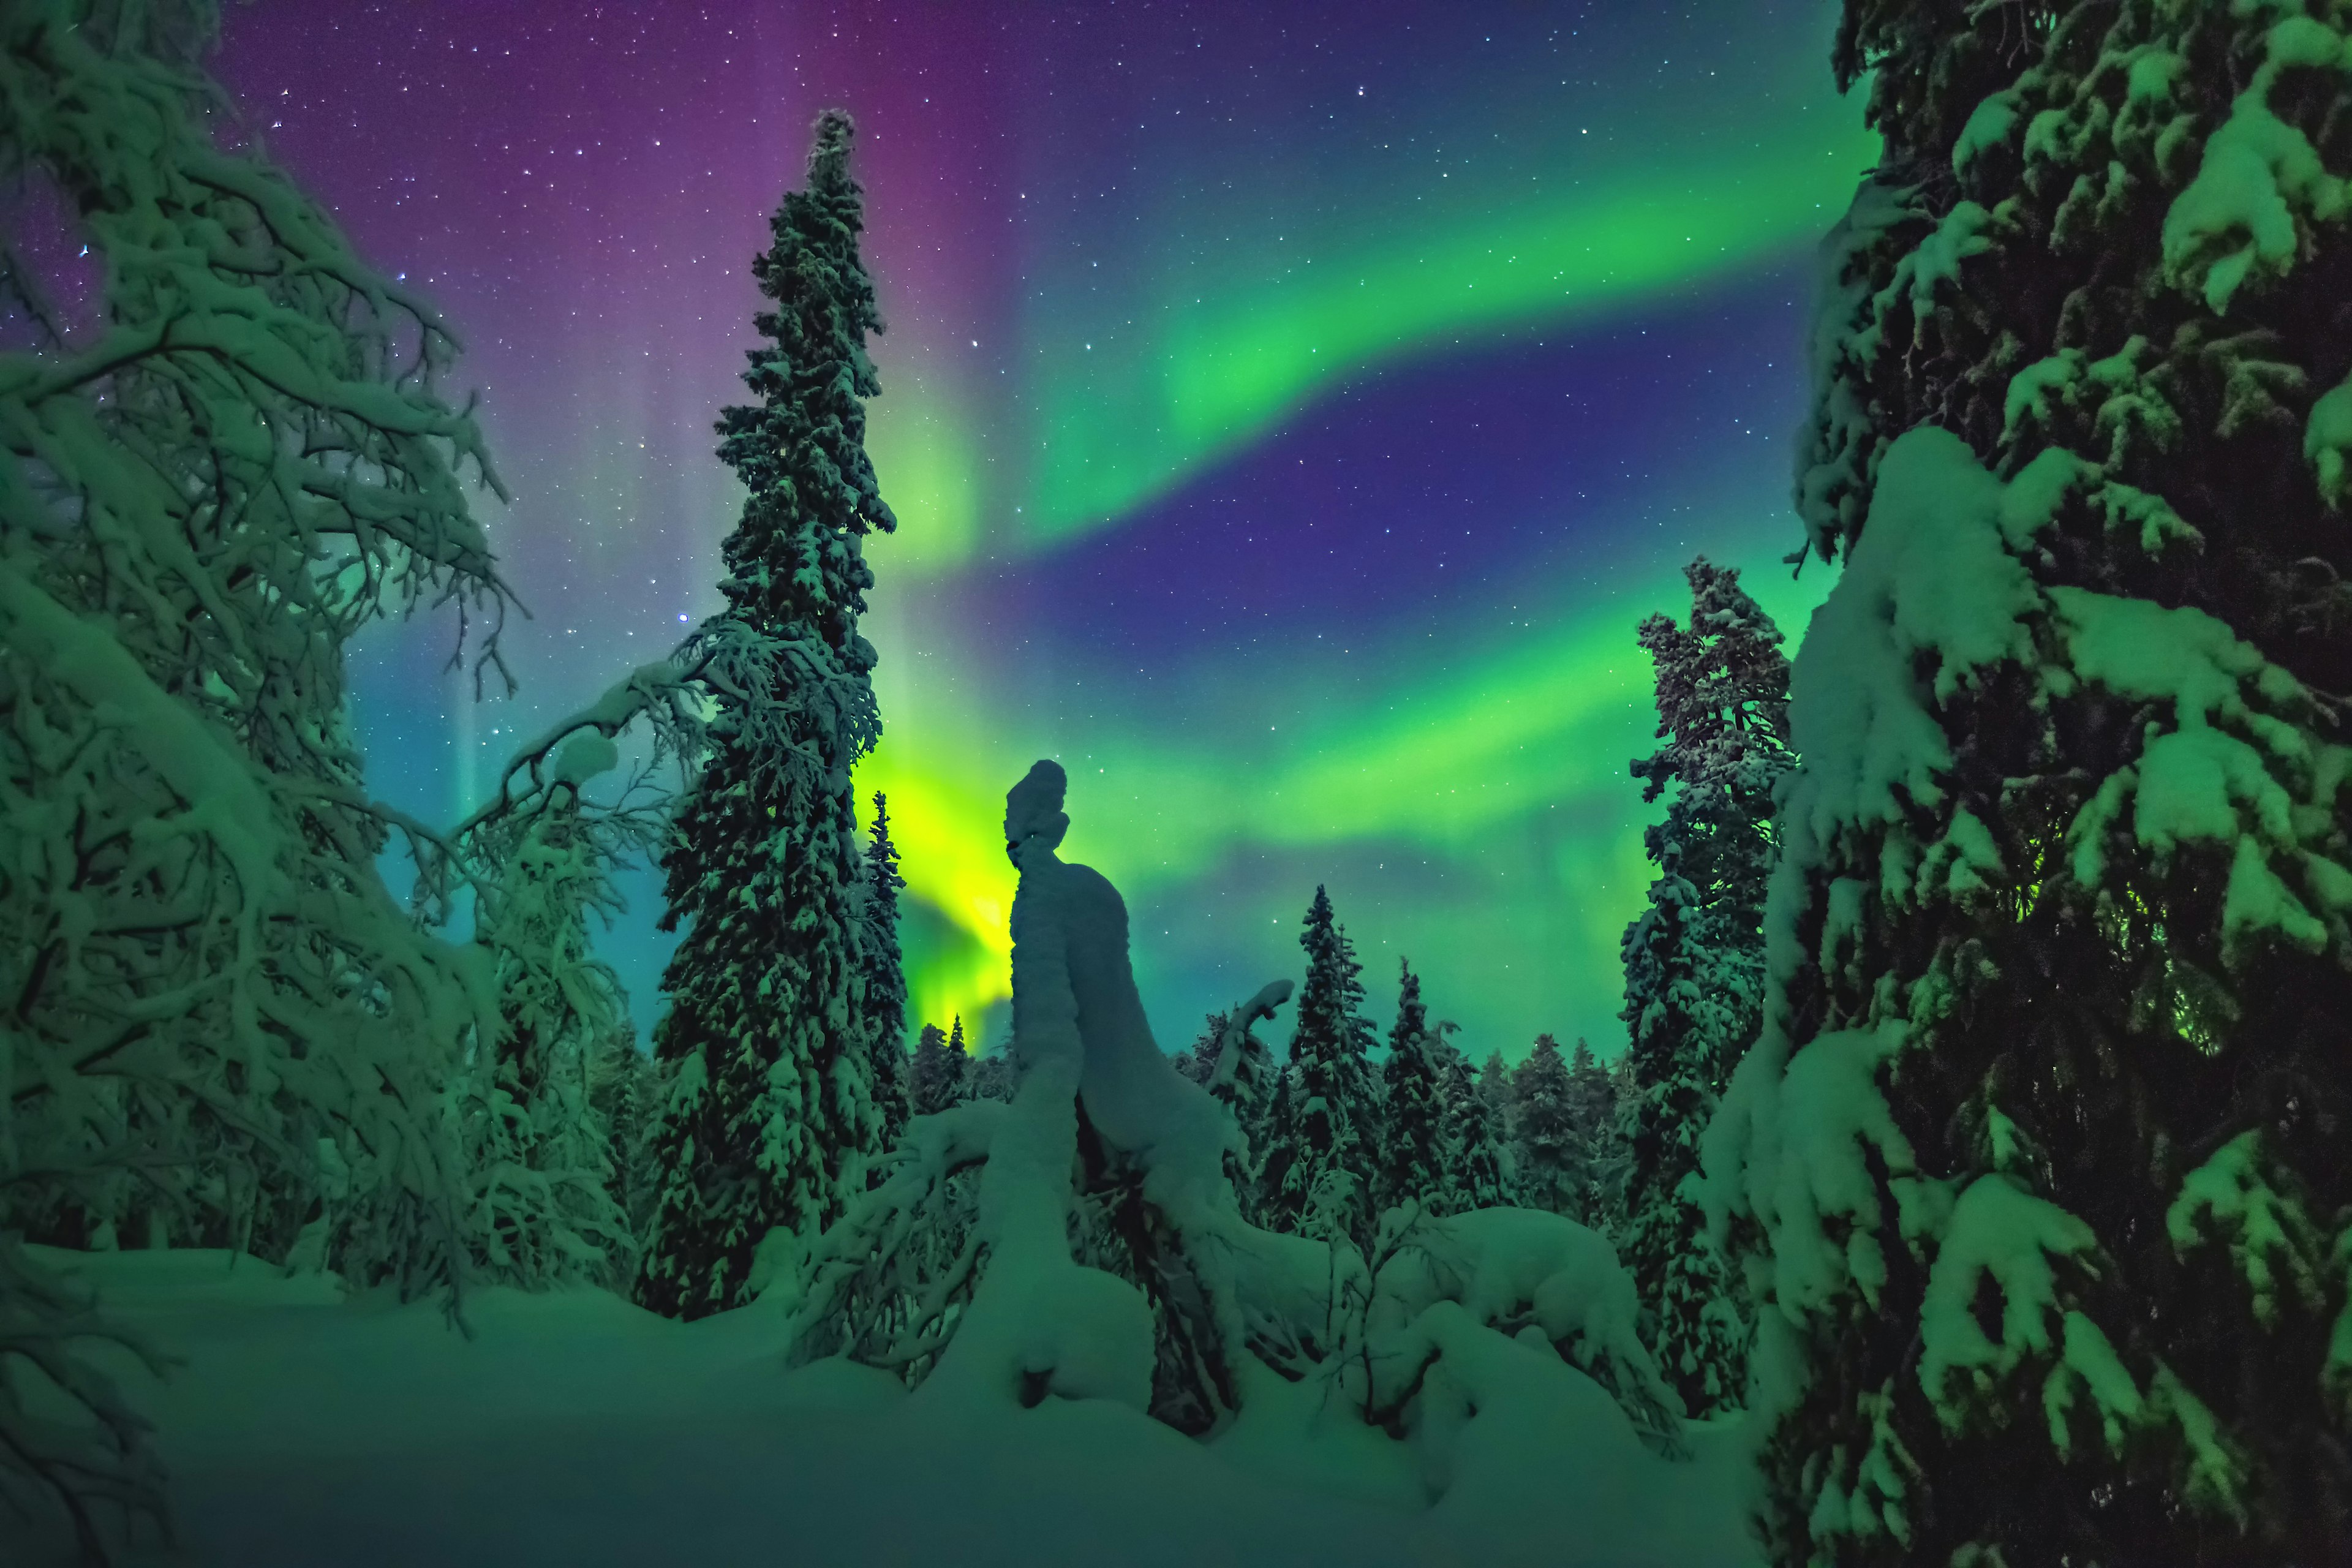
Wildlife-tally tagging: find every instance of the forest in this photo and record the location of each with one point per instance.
(1972, 1187)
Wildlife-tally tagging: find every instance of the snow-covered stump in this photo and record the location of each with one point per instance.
(1083, 1241)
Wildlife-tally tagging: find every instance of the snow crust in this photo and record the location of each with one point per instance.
(306, 1425)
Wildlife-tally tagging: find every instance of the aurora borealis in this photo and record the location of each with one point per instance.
(1290, 411)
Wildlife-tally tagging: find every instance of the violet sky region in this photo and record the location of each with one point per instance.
(1289, 410)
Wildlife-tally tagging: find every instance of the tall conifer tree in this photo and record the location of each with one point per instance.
(935, 1076)
(1413, 1138)
(1547, 1136)
(2040, 1151)
(1473, 1134)
(1695, 958)
(885, 979)
(1328, 1128)
(769, 1118)
(623, 1089)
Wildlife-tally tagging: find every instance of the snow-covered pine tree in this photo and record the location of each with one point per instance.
(935, 1078)
(1473, 1134)
(1547, 1136)
(1412, 1155)
(1498, 1090)
(1694, 959)
(885, 982)
(2040, 1152)
(1332, 1128)
(988, 1077)
(1233, 1064)
(1241, 1078)
(1198, 1061)
(223, 1031)
(1593, 1110)
(769, 1119)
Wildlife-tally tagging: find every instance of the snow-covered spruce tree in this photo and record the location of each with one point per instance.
(1198, 1061)
(219, 1028)
(1694, 959)
(1547, 1134)
(1242, 1077)
(1592, 1104)
(990, 1076)
(1611, 1157)
(886, 983)
(2040, 1158)
(1412, 1154)
(770, 1120)
(1103, 1254)
(1474, 1147)
(1329, 1132)
(935, 1076)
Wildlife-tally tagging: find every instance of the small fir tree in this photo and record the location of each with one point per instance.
(769, 1119)
(1548, 1134)
(935, 1078)
(1233, 1064)
(1473, 1144)
(991, 1077)
(1593, 1110)
(885, 982)
(1197, 1062)
(1412, 1162)
(1330, 1129)
(1280, 1152)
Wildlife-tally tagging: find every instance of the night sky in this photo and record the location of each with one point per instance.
(1290, 410)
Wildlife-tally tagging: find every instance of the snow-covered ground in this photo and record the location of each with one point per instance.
(305, 1428)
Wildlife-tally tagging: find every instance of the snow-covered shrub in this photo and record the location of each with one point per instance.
(1520, 1272)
